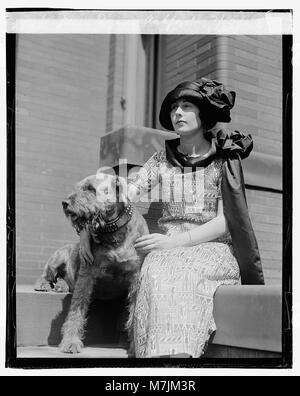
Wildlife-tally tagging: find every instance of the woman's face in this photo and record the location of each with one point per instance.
(185, 117)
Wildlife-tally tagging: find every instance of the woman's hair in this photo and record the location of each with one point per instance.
(213, 100)
(207, 122)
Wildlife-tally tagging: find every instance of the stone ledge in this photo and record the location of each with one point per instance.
(247, 317)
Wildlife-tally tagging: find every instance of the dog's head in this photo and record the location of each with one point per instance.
(110, 191)
(101, 195)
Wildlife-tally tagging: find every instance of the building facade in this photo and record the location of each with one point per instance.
(72, 90)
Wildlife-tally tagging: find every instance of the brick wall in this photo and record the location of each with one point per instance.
(252, 65)
(61, 85)
(265, 210)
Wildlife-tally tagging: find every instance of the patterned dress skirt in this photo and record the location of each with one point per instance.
(174, 304)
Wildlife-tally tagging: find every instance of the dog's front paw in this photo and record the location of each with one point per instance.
(42, 285)
(71, 346)
(61, 286)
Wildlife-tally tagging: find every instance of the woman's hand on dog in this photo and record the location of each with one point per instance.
(85, 246)
(147, 243)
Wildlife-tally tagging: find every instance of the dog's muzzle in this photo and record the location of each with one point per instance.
(67, 210)
(65, 204)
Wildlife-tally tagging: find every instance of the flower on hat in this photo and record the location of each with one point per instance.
(220, 100)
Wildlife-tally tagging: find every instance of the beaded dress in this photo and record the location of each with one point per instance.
(174, 305)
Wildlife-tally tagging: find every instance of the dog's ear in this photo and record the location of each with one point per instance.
(121, 185)
(87, 183)
(90, 187)
(96, 224)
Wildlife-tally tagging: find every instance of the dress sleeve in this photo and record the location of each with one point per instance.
(147, 176)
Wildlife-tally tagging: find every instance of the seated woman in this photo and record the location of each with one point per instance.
(207, 239)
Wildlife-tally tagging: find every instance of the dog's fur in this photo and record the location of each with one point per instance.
(61, 270)
(96, 200)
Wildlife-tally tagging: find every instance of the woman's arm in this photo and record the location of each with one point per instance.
(133, 193)
(143, 179)
(206, 232)
(203, 233)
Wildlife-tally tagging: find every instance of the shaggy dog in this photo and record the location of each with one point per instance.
(98, 203)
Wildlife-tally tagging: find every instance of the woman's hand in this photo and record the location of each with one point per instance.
(85, 246)
(147, 243)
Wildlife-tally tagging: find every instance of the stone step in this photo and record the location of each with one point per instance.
(248, 320)
(40, 316)
(91, 351)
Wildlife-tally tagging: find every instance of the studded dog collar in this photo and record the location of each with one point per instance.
(114, 225)
(109, 227)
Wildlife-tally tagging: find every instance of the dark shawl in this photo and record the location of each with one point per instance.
(232, 147)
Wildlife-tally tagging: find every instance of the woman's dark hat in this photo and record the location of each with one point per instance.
(210, 96)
